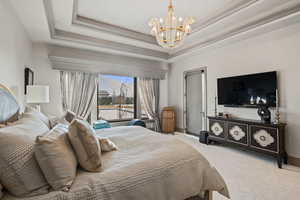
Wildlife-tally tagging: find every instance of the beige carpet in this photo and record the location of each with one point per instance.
(250, 176)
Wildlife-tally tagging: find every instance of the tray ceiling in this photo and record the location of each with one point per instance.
(135, 14)
(121, 26)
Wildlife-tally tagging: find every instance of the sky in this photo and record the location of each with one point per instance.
(113, 83)
(122, 79)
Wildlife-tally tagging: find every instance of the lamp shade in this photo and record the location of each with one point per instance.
(37, 94)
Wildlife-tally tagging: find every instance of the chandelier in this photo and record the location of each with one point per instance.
(171, 31)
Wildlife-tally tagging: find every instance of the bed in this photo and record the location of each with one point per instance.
(147, 165)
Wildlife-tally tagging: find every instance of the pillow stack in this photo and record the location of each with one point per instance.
(34, 158)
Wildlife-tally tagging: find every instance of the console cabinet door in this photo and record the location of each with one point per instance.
(217, 128)
(238, 133)
(264, 138)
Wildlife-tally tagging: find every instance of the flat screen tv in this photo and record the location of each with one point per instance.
(248, 90)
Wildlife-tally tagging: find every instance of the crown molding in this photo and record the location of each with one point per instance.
(128, 33)
(107, 44)
(243, 4)
(113, 29)
(109, 28)
(293, 9)
(287, 9)
(63, 35)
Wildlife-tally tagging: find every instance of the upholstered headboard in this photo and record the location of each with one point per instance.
(9, 107)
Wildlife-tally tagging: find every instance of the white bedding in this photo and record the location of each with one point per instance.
(148, 166)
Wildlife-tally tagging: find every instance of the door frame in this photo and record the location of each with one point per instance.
(185, 73)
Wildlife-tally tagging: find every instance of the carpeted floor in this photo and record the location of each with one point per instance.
(250, 176)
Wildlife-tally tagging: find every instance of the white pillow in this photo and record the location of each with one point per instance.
(32, 112)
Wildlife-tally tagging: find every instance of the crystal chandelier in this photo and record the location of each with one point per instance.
(171, 31)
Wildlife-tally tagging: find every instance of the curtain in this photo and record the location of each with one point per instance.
(148, 90)
(78, 90)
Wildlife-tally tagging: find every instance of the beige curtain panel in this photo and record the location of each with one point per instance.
(78, 90)
(148, 90)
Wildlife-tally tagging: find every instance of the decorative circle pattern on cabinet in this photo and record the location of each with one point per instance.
(237, 133)
(217, 129)
(263, 138)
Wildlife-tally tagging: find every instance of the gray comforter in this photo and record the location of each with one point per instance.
(147, 166)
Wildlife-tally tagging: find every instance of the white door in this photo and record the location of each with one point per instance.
(195, 101)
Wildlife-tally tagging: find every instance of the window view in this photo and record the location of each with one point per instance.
(115, 98)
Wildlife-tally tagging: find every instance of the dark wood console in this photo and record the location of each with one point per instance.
(266, 138)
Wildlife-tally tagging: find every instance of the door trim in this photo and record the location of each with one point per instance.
(185, 73)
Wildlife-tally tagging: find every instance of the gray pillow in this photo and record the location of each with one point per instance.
(20, 173)
(57, 120)
(31, 112)
(69, 116)
(86, 145)
(56, 158)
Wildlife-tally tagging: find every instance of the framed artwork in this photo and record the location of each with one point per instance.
(29, 78)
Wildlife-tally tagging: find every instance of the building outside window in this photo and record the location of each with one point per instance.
(116, 98)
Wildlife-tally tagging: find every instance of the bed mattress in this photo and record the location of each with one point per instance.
(148, 166)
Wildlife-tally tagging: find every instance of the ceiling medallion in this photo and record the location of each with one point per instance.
(171, 31)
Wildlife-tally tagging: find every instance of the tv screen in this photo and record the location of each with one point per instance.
(248, 90)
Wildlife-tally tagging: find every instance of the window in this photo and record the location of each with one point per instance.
(116, 98)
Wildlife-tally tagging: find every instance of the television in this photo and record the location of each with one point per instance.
(248, 90)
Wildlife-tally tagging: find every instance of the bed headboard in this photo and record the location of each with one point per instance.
(9, 107)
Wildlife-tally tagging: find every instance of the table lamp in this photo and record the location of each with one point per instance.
(37, 94)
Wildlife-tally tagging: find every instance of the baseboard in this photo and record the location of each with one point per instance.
(294, 161)
(181, 130)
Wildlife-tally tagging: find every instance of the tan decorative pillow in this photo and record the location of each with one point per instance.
(56, 158)
(86, 145)
(2, 125)
(107, 145)
(20, 173)
(29, 111)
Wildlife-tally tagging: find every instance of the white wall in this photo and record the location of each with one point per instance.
(278, 50)
(45, 75)
(15, 51)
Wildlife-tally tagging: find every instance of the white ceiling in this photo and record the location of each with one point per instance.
(121, 26)
(135, 14)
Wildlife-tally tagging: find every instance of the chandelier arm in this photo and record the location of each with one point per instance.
(171, 32)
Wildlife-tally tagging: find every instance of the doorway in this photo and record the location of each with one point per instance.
(195, 101)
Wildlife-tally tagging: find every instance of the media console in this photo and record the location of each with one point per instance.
(266, 138)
